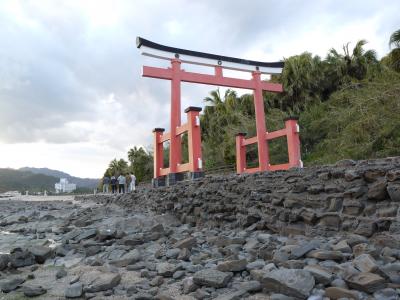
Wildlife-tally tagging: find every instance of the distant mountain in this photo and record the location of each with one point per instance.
(16, 180)
(80, 182)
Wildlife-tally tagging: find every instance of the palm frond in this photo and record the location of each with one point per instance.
(395, 39)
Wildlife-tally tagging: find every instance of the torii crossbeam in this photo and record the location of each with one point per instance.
(177, 75)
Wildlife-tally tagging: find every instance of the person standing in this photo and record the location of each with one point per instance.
(106, 182)
(113, 184)
(132, 185)
(121, 183)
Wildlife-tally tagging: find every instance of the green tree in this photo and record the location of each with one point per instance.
(141, 163)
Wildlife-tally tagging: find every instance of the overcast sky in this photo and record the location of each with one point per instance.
(71, 93)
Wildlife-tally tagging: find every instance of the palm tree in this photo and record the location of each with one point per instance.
(116, 167)
(358, 61)
(301, 75)
(113, 166)
(214, 98)
(394, 55)
(395, 39)
(122, 166)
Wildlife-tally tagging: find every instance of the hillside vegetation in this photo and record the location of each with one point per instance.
(40, 179)
(89, 183)
(348, 105)
(14, 180)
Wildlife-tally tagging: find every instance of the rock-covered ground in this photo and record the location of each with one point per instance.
(133, 247)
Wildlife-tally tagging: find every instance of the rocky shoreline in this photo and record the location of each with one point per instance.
(319, 233)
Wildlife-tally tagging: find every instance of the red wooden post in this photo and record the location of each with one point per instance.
(240, 153)
(158, 151)
(175, 151)
(263, 153)
(194, 139)
(293, 142)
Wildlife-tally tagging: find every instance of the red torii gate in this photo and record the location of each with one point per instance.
(177, 75)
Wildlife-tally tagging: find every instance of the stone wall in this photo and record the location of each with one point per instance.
(362, 197)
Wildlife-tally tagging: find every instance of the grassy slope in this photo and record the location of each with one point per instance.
(360, 121)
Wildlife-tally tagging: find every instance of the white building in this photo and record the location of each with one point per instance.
(64, 187)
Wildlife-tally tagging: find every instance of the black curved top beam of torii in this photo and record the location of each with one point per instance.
(153, 49)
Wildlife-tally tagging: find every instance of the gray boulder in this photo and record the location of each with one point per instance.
(232, 265)
(74, 290)
(187, 243)
(294, 283)
(41, 253)
(212, 278)
(129, 258)
(20, 259)
(97, 281)
(4, 260)
(366, 282)
(33, 291)
(10, 285)
(167, 269)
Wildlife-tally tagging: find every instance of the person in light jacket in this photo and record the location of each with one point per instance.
(121, 183)
(132, 185)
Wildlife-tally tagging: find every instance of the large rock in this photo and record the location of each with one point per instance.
(167, 269)
(188, 285)
(248, 286)
(392, 271)
(393, 175)
(366, 282)
(320, 274)
(4, 260)
(393, 189)
(187, 243)
(377, 190)
(325, 255)
(86, 234)
(133, 239)
(339, 293)
(294, 283)
(97, 281)
(232, 265)
(255, 265)
(22, 258)
(127, 259)
(366, 228)
(41, 253)
(355, 239)
(104, 234)
(342, 246)
(212, 278)
(365, 263)
(11, 284)
(33, 291)
(365, 248)
(173, 253)
(74, 290)
(303, 249)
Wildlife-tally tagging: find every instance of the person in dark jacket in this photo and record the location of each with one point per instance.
(113, 184)
(106, 183)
